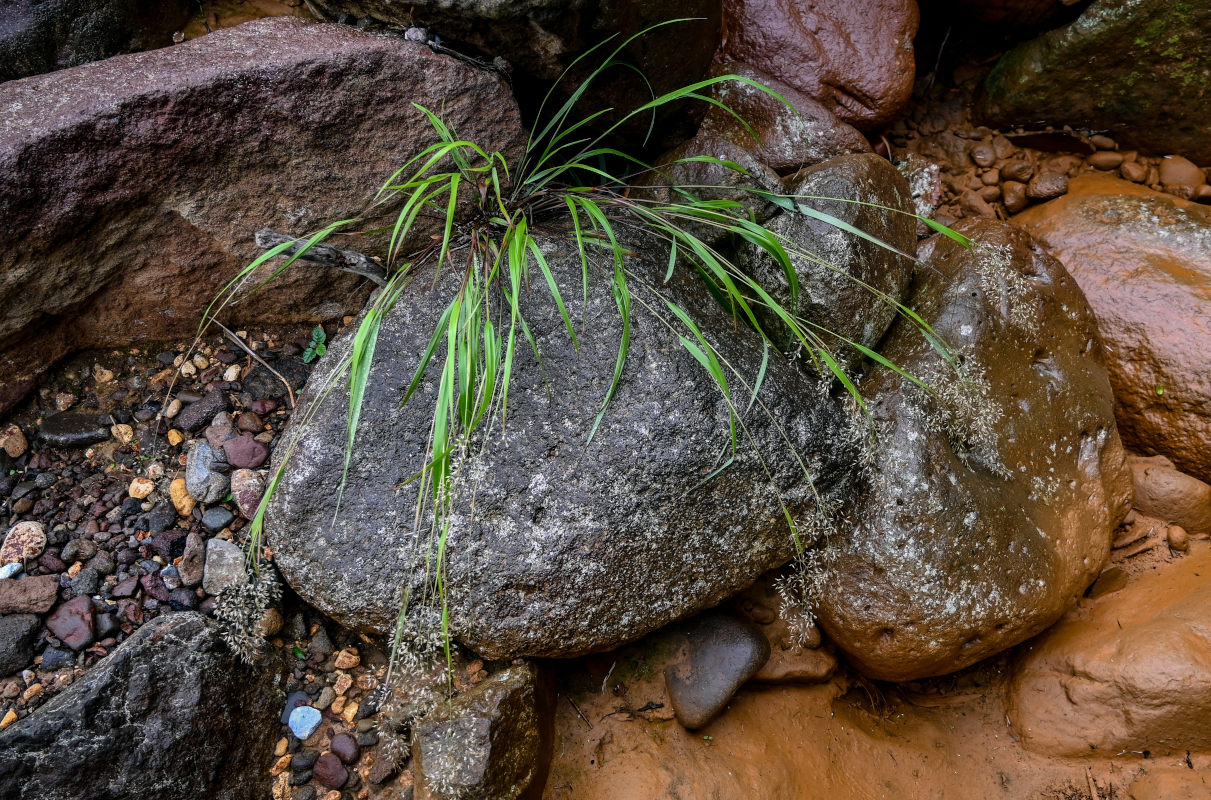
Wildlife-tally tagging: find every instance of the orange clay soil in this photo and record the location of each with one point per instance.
(942, 739)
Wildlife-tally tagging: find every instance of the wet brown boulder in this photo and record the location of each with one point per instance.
(130, 188)
(783, 138)
(1134, 68)
(854, 57)
(1130, 671)
(1144, 261)
(991, 499)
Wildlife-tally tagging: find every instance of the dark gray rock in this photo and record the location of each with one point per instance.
(574, 546)
(724, 652)
(57, 658)
(203, 480)
(198, 414)
(830, 262)
(43, 35)
(216, 518)
(17, 634)
(74, 429)
(494, 740)
(991, 501)
(169, 714)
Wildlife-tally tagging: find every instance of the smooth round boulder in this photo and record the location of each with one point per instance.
(1144, 261)
(990, 496)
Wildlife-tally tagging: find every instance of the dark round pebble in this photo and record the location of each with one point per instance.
(304, 759)
(182, 599)
(345, 747)
(330, 772)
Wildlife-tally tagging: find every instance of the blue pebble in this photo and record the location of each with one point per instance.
(9, 570)
(304, 721)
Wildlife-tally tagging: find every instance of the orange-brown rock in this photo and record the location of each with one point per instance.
(1144, 261)
(1130, 671)
(130, 188)
(992, 497)
(1171, 783)
(1170, 495)
(855, 57)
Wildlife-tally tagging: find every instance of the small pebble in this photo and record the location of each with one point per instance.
(173, 408)
(1133, 171)
(141, 487)
(1106, 160)
(304, 721)
(1179, 540)
(123, 433)
(1047, 185)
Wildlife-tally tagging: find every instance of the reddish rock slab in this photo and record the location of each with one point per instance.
(131, 188)
(1131, 671)
(854, 57)
(72, 623)
(1144, 261)
(29, 595)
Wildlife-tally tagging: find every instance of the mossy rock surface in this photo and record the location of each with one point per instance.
(1140, 69)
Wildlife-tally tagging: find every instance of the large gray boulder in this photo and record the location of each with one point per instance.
(170, 714)
(130, 188)
(560, 546)
(990, 500)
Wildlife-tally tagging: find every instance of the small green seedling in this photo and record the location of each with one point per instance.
(317, 347)
(1160, 390)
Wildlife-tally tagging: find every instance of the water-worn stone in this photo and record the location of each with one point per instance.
(1170, 495)
(203, 481)
(330, 772)
(169, 714)
(572, 547)
(786, 140)
(724, 652)
(224, 566)
(40, 36)
(199, 413)
(13, 441)
(72, 623)
(74, 429)
(854, 57)
(1132, 671)
(245, 452)
(830, 295)
(216, 518)
(990, 503)
(304, 720)
(34, 595)
(17, 634)
(25, 540)
(247, 487)
(1144, 261)
(494, 740)
(1135, 68)
(110, 169)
